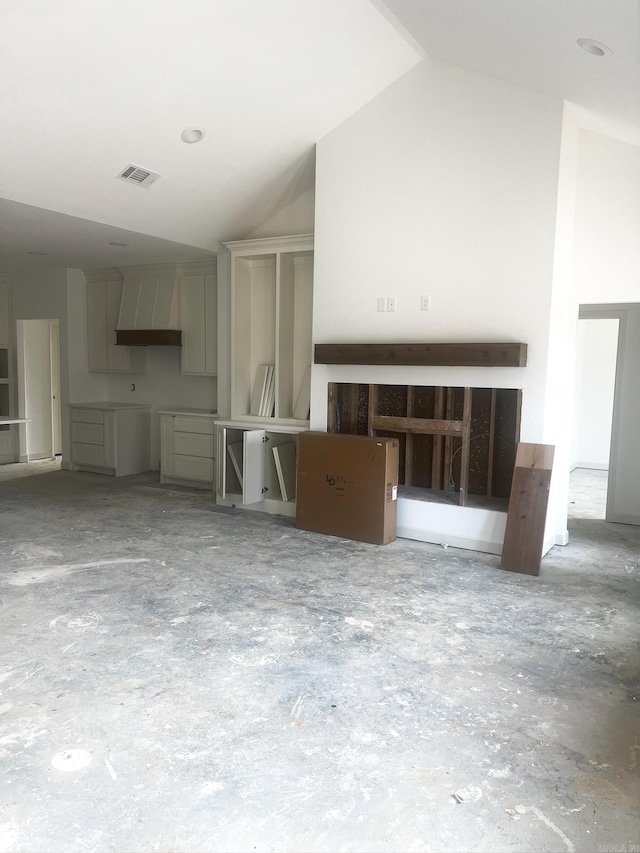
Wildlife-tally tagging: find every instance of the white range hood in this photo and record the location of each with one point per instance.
(149, 309)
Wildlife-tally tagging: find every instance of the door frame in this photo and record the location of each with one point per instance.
(620, 312)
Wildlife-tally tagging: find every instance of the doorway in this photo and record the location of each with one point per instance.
(607, 405)
(38, 351)
(596, 359)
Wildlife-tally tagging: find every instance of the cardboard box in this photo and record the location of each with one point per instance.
(348, 486)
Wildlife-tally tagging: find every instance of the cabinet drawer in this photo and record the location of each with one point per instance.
(193, 468)
(189, 444)
(87, 454)
(203, 426)
(87, 433)
(87, 416)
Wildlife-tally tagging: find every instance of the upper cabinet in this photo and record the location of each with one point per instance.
(271, 311)
(199, 319)
(104, 294)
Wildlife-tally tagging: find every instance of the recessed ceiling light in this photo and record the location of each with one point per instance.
(37, 253)
(594, 47)
(193, 134)
(118, 244)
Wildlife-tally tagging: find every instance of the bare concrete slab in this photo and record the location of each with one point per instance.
(180, 677)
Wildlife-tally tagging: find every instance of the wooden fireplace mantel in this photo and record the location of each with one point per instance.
(433, 355)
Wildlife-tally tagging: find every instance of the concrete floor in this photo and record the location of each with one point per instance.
(180, 677)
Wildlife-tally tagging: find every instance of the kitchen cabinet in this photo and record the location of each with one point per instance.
(110, 438)
(104, 294)
(187, 447)
(256, 468)
(199, 319)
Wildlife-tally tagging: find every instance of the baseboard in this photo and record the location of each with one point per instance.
(436, 537)
(591, 466)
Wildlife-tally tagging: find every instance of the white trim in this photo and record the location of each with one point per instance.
(436, 537)
(271, 245)
(591, 466)
(107, 274)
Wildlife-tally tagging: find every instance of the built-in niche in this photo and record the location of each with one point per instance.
(456, 444)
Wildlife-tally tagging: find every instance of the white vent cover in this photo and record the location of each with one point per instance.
(137, 175)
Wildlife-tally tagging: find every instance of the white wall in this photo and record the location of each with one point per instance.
(446, 184)
(606, 269)
(296, 218)
(607, 226)
(596, 356)
(560, 375)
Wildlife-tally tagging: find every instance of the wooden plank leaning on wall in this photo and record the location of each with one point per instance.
(524, 534)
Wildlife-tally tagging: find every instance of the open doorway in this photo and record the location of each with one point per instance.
(38, 351)
(596, 360)
(622, 488)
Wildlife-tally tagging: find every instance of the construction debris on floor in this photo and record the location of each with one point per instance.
(180, 677)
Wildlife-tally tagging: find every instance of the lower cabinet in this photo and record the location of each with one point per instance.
(6, 444)
(110, 438)
(256, 468)
(187, 448)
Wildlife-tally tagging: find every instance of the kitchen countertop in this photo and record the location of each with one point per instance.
(109, 406)
(186, 410)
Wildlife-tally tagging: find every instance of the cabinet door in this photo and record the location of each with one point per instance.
(229, 461)
(192, 312)
(253, 466)
(96, 325)
(199, 313)
(118, 358)
(166, 445)
(6, 445)
(111, 439)
(211, 324)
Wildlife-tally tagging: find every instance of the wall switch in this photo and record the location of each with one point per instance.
(382, 303)
(425, 303)
(391, 303)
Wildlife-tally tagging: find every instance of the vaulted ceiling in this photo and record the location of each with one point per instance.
(88, 87)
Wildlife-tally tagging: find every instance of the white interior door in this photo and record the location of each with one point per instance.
(56, 411)
(35, 391)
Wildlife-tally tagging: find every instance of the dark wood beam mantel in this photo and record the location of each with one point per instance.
(432, 355)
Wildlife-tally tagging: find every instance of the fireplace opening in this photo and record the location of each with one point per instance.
(457, 445)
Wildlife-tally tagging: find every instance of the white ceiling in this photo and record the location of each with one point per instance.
(87, 87)
(534, 44)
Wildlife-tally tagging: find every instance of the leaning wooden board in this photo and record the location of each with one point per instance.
(524, 535)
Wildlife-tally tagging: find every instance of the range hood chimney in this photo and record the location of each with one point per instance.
(149, 309)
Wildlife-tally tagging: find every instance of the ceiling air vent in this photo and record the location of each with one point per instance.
(137, 175)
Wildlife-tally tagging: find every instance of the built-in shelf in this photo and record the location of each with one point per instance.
(434, 355)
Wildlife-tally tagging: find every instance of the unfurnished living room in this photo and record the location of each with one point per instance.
(319, 456)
